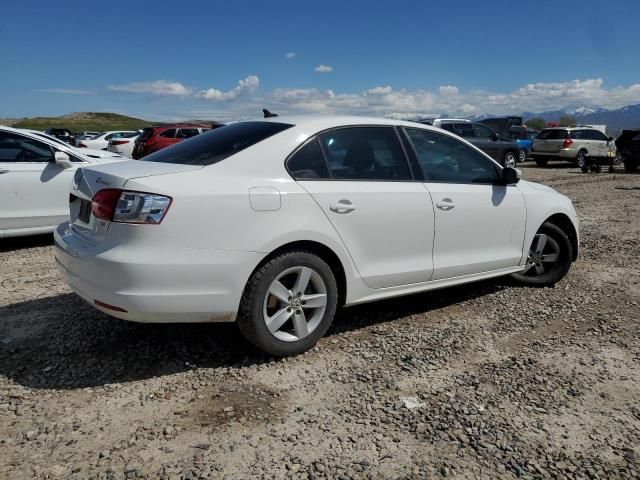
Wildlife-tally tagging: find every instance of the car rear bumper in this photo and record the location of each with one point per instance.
(565, 153)
(154, 284)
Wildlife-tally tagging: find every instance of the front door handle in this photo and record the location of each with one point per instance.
(3, 171)
(342, 206)
(446, 204)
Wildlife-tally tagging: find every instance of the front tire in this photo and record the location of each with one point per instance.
(549, 258)
(522, 155)
(581, 159)
(509, 160)
(288, 303)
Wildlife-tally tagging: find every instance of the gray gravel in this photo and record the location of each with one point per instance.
(488, 380)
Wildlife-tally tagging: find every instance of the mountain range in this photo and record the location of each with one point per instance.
(615, 120)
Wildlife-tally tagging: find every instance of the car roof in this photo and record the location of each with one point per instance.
(323, 122)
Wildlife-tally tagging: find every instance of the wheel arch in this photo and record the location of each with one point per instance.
(322, 251)
(563, 221)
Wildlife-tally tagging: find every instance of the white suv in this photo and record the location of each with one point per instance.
(276, 223)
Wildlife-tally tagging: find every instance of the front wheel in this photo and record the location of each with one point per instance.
(549, 257)
(288, 303)
(509, 160)
(522, 155)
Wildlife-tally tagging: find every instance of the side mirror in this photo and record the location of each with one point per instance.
(63, 160)
(510, 175)
(494, 137)
(611, 139)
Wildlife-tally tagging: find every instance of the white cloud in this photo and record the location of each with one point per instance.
(245, 86)
(448, 90)
(324, 68)
(65, 91)
(290, 55)
(379, 90)
(158, 87)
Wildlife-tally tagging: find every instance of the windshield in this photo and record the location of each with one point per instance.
(216, 145)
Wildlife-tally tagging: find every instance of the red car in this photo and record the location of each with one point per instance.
(157, 137)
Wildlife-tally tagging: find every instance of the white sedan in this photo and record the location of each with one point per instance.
(122, 145)
(275, 223)
(36, 172)
(87, 152)
(101, 141)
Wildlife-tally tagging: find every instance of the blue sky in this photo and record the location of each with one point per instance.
(225, 60)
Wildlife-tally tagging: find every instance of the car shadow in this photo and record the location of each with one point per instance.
(32, 241)
(62, 343)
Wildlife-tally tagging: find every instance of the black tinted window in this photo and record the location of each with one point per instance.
(308, 162)
(216, 145)
(445, 159)
(463, 129)
(483, 132)
(365, 153)
(171, 133)
(579, 135)
(597, 135)
(187, 132)
(146, 133)
(553, 135)
(16, 148)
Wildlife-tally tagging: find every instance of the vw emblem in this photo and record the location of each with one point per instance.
(77, 177)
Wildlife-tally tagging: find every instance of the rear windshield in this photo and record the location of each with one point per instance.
(216, 145)
(553, 135)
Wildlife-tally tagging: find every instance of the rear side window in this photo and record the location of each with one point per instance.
(171, 133)
(216, 145)
(464, 130)
(553, 135)
(579, 135)
(365, 153)
(308, 162)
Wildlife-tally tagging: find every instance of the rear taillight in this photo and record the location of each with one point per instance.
(119, 142)
(130, 207)
(567, 143)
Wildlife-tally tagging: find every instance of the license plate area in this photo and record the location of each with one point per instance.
(85, 211)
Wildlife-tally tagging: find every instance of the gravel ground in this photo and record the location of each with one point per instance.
(488, 380)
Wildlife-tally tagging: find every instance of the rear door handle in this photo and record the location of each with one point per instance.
(3, 171)
(342, 206)
(445, 204)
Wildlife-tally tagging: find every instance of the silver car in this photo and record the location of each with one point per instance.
(572, 144)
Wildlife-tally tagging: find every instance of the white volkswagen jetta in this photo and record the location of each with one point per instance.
(275, 223)
(35, 175)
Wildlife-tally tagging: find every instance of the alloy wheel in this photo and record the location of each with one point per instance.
(510, 160)
(295, 303)
(581, 160)
(543, 255)
(522, 156)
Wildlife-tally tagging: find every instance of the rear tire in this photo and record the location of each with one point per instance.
(581, 159)
(549, 257)
(541, 162)
(288, 303)
(509, 160)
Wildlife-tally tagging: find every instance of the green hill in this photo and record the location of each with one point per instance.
(78, 122)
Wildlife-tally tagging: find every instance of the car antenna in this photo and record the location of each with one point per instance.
(268, 114)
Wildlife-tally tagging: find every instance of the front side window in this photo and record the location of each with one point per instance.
(445, 159)
(171, 133)
(187, 132)
(365, 153)
(597, 135)
(216, 145)
(16, 148)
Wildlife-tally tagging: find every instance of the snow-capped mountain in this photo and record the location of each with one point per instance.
(615, 120)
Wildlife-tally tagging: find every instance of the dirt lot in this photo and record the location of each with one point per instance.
(489, 380)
